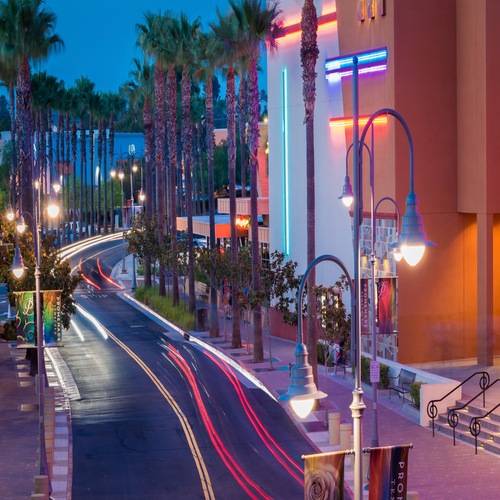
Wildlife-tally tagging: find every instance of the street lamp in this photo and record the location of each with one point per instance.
(302, 391)
(121, 176)
(18, 269)
(412, 242)
(112, 173)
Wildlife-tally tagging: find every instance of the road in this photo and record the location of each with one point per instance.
(159, 416)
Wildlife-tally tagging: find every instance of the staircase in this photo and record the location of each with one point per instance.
(488, 428)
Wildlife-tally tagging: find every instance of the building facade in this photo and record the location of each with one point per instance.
(442, 75)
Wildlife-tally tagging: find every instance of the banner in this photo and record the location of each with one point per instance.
(386, 310)
(324, 476)
(25, 316)
(52, 327)
(365, 306)
(388, 472)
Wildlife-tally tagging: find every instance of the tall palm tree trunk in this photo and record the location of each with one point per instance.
(253, 142)
(24, 125)
(309, 54)
(231, 153)
(209, 121)
(159, 76)
(187, 150)
(172, 150)
(149, 147)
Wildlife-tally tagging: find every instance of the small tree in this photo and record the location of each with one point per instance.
(332, 316)
(215, 264)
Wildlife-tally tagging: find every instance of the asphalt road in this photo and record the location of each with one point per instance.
(161, 417)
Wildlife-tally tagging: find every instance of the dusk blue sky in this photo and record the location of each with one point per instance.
(100, 36)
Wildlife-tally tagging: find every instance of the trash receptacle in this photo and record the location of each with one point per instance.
(201, 319)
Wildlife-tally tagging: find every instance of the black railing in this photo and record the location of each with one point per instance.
(475, 424)
(432, 411)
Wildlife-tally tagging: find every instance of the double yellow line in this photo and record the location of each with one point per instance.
(193, 445)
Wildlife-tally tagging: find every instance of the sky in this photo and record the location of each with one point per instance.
(100, 36)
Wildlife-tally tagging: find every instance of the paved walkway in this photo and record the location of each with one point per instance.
(437, 469)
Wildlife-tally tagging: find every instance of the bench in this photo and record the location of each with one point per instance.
(401, 384)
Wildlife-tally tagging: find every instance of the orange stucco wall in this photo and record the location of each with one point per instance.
(436, 50)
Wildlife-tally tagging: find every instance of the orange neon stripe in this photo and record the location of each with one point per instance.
(324, 21)
(363, 120)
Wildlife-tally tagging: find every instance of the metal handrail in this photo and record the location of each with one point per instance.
(475, 424)
(484, 383)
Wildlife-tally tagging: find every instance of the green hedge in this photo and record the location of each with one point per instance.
(415, 392)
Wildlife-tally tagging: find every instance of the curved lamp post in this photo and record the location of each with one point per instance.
(302, 391)
(121, 176)
(18, 269)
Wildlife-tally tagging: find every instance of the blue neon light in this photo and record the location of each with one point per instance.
(343, 64)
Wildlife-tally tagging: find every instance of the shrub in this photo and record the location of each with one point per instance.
(9, 331)
(415, 392)
(322, 351)
(163, 306)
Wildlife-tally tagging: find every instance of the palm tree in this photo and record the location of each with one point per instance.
(186, 46)
(114, 104)
(227, 30)
(94, 108)
(242, 105)
(154, 41)
(256, 24)
(31, 38)
(84, 90)
(209, 62)
(309, 55)
(8, 77)
(140, 91)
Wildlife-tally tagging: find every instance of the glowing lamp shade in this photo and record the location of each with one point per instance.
(10, 213)
(302, 407)
(347, 195)
(412, 240)
(302, 391)
(20, 225)
(53, 209)
(17, 265)
(413, 253)
(396, 252)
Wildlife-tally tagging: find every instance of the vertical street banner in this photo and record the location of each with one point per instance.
(25, 316)
(389, 472)
(365, 306)
(324, 476)
(52, 327)
(386, 310)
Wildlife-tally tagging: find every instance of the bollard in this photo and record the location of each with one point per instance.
(412, 495)
(39, 496)
(334, 428)
(42, 485)
(345, 436)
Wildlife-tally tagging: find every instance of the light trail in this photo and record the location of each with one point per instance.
(275, 449)
(87, 279)
(107, 278)
(236, 470)
(206, 483)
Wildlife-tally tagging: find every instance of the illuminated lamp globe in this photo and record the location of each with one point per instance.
(347, 195)
(412, 240)
(302, 391)
(52, 209)
(18, 266)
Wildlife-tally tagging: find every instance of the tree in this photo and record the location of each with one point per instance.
(309, 55)
(186, 46)
(4, 114)
(256, 25)
(32, 37)
(140, 90)
(56, 272)
(207, 55)
(227, 30)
